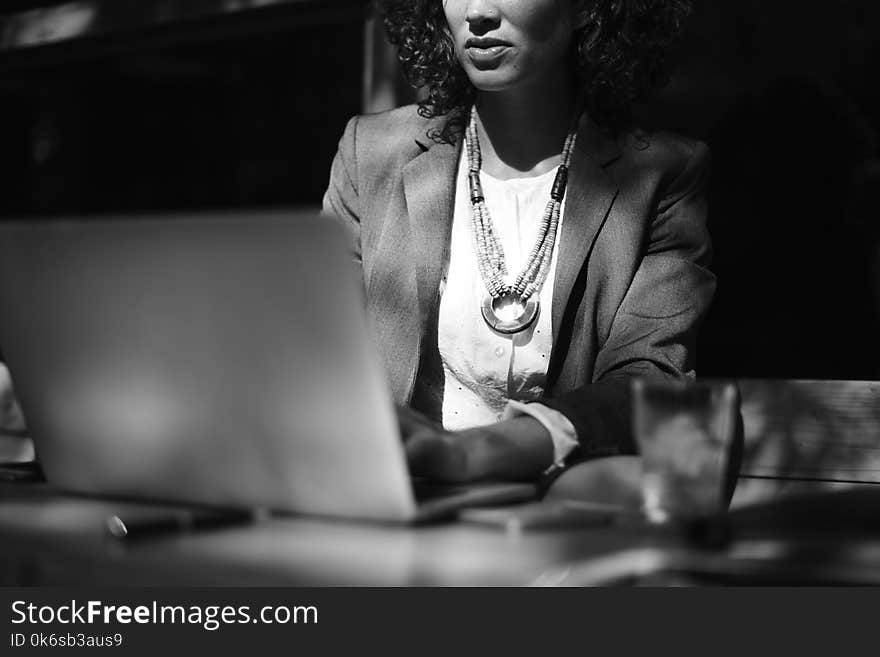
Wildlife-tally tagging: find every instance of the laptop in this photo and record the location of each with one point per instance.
(218, 359)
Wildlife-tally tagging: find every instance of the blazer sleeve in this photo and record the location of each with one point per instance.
(341, 200)
(654, 330)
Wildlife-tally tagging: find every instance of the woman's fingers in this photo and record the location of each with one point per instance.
(411, 422)
(431, 451)
(441, 456)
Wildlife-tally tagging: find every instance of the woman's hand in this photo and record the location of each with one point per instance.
(519, 448)
(435, 453)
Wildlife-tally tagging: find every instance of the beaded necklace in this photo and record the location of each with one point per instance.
(510, 306)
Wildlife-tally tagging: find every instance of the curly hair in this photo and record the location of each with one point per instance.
(620, 56)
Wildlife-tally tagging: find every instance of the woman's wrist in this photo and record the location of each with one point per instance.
(514, 449)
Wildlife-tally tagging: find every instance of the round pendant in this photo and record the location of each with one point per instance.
(509, 314)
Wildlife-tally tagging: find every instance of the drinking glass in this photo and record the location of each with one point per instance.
(684, 431)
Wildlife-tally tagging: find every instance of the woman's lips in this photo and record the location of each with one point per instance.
(487, 56)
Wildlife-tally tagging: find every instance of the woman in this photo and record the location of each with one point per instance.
(525, 252)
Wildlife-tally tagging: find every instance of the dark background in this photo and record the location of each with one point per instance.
(247, 111)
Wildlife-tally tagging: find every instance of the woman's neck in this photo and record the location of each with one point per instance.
(522, 130)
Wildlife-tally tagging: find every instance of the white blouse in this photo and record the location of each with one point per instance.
(489, 376)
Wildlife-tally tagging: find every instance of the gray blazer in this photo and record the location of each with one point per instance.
(632, 283)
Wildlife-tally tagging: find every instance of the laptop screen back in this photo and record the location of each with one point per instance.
(216, 359)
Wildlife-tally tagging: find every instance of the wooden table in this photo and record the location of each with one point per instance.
(48, 538)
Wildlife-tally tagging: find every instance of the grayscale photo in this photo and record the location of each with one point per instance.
(432, 293)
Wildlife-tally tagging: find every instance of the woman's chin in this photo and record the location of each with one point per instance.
(503, 78)
(493, 81)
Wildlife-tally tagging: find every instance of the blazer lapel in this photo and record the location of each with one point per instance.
(589, 195)
(429, 187)
(415, 245)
